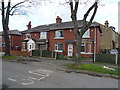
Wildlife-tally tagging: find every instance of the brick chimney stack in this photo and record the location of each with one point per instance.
(58, 20)
(29, 25)
(106, 24)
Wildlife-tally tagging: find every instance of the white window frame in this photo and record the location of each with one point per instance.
(89, 47)
(59, 37)
(56, 46)
(43, 35)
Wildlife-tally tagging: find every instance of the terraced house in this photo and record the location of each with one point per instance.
(60, 37)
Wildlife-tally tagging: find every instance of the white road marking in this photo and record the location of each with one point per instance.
(32, 78)
(31, 82)
(41, 72)
(12, 79)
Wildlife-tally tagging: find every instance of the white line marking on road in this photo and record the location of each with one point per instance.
(11, 79)
(31, 82)
(32, 78)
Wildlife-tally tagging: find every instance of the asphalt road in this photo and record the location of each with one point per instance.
(44, 75)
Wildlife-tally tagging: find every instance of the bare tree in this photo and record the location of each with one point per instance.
(10, 9)
(86, 24)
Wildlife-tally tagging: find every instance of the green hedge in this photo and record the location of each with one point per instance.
(105, 58)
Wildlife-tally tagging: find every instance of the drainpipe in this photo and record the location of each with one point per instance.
(94, 44)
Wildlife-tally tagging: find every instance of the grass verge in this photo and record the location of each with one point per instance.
(94, 68)
(11, 58)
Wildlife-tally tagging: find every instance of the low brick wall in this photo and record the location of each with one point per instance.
(20, 53)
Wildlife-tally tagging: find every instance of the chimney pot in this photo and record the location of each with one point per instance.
(106, 24)
(58, 20)
(29, 25)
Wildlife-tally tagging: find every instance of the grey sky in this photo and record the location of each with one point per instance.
(47, 13)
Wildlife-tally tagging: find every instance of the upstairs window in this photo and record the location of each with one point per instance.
(43, 35)
(27, 36)
(59, 34)
(86, 34)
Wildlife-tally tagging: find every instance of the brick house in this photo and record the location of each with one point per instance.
(60, 37)
(15, 40)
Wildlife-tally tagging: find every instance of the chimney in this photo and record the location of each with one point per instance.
(58, 20)
(106, 24)
(29, 25)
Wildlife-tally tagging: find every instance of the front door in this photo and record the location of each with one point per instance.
(70, 49)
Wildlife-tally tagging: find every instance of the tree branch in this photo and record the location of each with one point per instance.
(87, 25)
(76, 6)
(3, 14)
(8, 13)
(71, 6)
(17, 5)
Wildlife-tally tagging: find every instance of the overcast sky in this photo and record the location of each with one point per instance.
(47, 13)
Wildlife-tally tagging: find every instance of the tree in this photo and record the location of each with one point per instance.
(86, 24)
(13, 10)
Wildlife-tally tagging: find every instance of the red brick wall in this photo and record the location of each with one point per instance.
(20, 53)
(15, 40)
(68, 34)
(35, 35)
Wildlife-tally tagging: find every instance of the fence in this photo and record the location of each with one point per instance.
(107, 58)
(48, 54)
(20, 53)
(45, 53)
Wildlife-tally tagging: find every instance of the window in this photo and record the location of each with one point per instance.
(89, 47)
(43, 35)
(59, 47)
(27, 36)
(30, 46)
(23, 46)
(33, 46)
(86, 34)
(82, 47)
(59, 33)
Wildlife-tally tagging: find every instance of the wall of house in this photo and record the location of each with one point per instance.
(35, 35)
(105, 38)
(69, 34)
(15, 42)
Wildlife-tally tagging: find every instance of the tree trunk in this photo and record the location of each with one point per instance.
(78, 50)
(7, 42)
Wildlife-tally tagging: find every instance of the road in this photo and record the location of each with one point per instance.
(37, 75)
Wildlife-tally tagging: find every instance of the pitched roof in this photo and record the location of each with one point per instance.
(12, 32)
(103, 27)
(55, 26)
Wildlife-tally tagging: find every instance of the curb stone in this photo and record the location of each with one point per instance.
(91, 73)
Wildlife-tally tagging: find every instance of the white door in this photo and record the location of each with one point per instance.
(70, 49)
